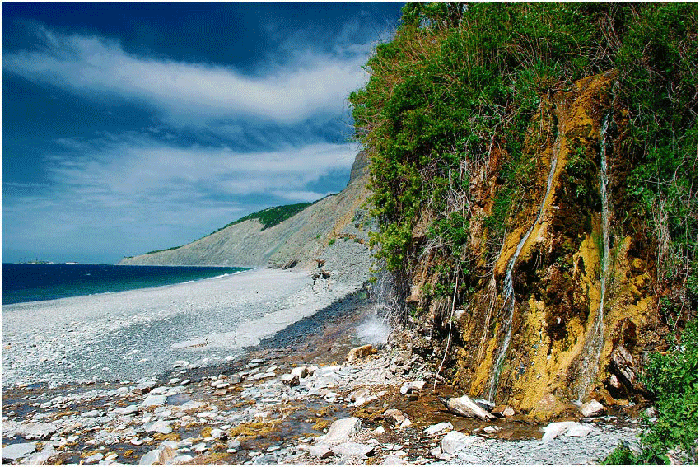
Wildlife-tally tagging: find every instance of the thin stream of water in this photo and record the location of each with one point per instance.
(508, 291)
(594, 347)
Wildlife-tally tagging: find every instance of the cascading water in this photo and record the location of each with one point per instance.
(375, 328)
(594, 344)
(508, 291)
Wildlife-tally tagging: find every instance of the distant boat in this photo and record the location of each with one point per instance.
(71, 262)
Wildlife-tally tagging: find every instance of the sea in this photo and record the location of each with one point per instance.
(39, 282)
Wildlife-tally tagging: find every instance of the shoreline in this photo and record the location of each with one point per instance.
(247, 410)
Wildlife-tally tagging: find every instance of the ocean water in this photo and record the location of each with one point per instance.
(38, 282)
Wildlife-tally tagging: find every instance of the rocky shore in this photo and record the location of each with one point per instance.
(314, 393)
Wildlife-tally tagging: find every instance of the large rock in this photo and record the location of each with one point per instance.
(438, 429)
(455, 441)
(17, 451)
(340, 431)
(592, 408)
(410, 387)
(352, 449)
(466, 407)
(360, 352)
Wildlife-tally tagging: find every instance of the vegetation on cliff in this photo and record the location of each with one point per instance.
(462, 121)
(460, 81)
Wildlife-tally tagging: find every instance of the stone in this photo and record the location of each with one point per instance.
(352, 449)
(465, 407)
(405, 424)
(322, 451)
(36, 430)
(393, 459)
(300, 371)
(159, 427)
(128, 410)
(592, 408)
(484, 404)
(13, 452)
(455, 441)
(394, 414)
(93, 458)
(553, 430)
(410, 387)
(361, 352)
(438, 429)
(217, 433)
(290, 380)
(154, 399)
(503, 411)
(340, 431)
(578, 430)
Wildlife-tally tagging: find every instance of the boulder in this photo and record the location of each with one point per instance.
(394, 414)
(438, 429)
(553, 430)
(455, 441)
(340, 431)
(13, 452)
(360, 352)
(466, 407)
(300, 371)
(410, 387)
(352, 449)
(592, 408)
(290, 380)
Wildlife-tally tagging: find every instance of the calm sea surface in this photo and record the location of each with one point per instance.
(35, 282)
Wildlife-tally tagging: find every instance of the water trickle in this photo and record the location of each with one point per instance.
(508, 291)
(594, 343)
(375, 328)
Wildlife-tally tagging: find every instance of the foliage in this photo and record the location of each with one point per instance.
(459, 84)
(268, 217)
(271, 216)
(673, 379)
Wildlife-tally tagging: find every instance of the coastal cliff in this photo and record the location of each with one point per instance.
(537, 214)
(332, 229)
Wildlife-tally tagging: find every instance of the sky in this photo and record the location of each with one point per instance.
(130, 127)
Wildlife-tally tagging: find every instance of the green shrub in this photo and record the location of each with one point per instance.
(672, 377)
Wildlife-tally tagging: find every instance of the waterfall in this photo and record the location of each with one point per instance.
(375, 328)
(508, 291)
(594, 347)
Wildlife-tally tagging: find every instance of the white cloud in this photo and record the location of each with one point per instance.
(116, 192)
(313, 84)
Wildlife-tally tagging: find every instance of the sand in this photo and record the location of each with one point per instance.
(140, 333)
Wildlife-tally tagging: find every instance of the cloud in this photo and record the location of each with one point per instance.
(314, 83)
(112, 193)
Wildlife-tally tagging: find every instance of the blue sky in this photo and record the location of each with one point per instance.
(129, 127)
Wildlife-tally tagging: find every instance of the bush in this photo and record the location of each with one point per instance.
(672, 377)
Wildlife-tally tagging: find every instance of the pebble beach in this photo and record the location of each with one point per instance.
(259, 367)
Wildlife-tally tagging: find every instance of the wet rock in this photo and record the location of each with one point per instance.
(411, 387)
(503, 411)
(340, 431)
(361, 352)
(394, 415)
(465, 407)
(438, 429)
(484, 404)
(592, 408)
(17, 451)
(93, 458)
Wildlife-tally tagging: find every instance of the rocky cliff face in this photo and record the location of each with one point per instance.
(566, 309)
(332, 229)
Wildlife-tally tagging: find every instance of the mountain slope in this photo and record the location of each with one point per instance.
(320, 231)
